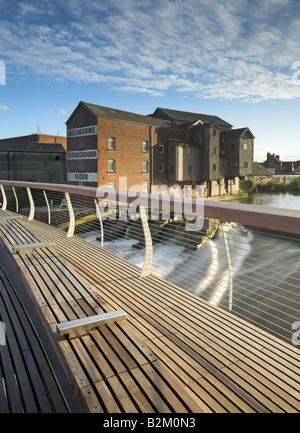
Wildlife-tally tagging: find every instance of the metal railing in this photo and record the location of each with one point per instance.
(239, 257)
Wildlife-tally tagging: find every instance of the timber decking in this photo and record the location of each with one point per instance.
(174, 353)
(28, 384)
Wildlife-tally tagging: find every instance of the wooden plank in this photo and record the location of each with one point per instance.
(107, 398)
(283, 400)
(25, 364)
(90, 400)
(269, 372)
(177, 360)
(137, 349)
(150, 391)
(120, 352)
(37, 367)
(90, 367)
(18, 386)
(216, 400)
(11, 389)
(135, 393)
(164, 389)
(174, 383)
(102, 355)
(235, 393)
(123, 398)
(237, 376)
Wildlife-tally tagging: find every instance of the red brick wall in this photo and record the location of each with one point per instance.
(128, 156)
(54, 139)
(36, 138)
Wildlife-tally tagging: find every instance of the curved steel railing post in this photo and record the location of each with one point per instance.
(98, 213)
(71, 215)
(147, 266)
(229, 267)
(4, 203)
(32, 208)
(16, 199)
(48, 207)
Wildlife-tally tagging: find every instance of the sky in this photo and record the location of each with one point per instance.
(236, 59)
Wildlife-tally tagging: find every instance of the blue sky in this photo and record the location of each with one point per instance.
(238, 59)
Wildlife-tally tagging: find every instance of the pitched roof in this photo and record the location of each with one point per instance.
(259, 170)
(186, 116)
(235, 132)
(125, 116)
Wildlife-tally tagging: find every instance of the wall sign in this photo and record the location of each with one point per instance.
(82, 154)
(82, 177)
(83, 131)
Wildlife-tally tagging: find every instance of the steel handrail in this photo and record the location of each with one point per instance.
(265, 217)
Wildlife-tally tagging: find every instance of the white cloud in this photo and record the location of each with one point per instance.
(63, 112)
(237, 49)
(4, 108)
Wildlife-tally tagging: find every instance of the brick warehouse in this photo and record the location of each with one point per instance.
(167, 147)
(35, 157)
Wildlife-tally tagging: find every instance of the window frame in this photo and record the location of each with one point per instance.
(145, 143)
(145, 170)
(113, 161)
(109, 141)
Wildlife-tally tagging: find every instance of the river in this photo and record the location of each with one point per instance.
(266, 269)
(282, 200)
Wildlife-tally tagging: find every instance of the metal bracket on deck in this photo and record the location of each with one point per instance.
(80, 327)
(4, 219)
(27, 248)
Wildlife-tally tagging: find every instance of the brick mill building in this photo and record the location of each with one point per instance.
(165, 148)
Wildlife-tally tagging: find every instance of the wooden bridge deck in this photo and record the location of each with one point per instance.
(174, 353)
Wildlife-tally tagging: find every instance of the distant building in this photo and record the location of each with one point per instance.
(260, 174)
(165, 148)
(106, 144)
(274, 164)
(36, 139)
(297, 167)
(238, 145)
(36, 157)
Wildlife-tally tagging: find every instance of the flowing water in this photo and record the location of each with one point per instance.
(265, 269)
(283, 200)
